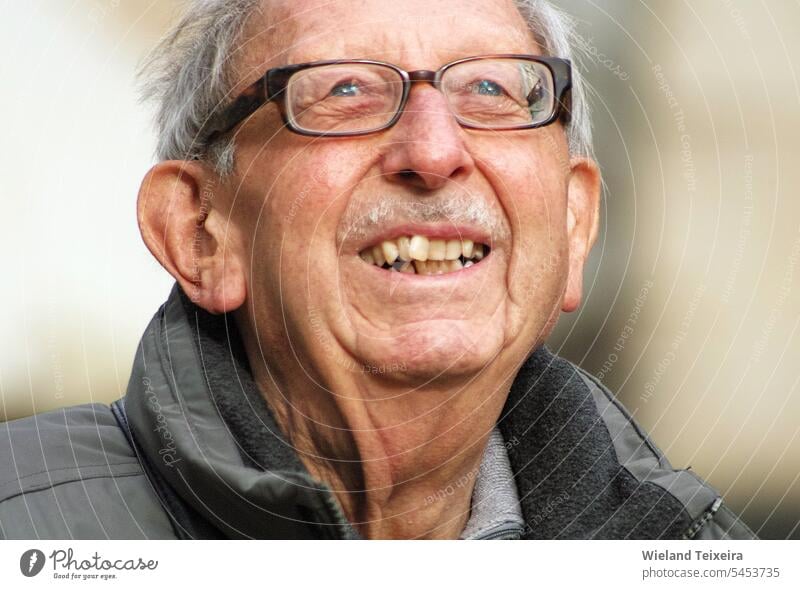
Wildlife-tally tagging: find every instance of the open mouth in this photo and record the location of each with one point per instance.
(417, 254)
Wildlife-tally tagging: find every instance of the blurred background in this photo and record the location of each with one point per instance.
(692, 300)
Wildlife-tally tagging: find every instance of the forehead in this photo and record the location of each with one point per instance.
(415, 34)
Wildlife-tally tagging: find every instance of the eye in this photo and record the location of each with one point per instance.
(350, 88)
(487, 88)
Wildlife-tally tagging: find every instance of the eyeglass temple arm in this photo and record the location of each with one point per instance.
(250, 100)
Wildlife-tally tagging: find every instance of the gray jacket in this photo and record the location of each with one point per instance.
(192, 451)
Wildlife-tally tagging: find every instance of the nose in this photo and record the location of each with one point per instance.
(426, 149)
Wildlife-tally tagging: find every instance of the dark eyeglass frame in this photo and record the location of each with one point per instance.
(273, 84)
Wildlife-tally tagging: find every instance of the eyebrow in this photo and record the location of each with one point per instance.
(463, 46)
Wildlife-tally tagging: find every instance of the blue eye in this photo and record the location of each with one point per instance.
(348, 89)
(488, 88)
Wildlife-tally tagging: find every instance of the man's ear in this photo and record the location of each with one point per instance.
(190, 235)
(583, 213)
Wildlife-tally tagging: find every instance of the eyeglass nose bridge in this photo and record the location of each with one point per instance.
(422, 76)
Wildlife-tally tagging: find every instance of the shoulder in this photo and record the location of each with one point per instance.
(60, 446)
(636, 452)
(71, 473)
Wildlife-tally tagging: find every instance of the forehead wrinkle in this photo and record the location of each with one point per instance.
(484, 29)
(342, 47)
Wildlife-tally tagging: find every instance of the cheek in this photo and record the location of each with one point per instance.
(531, 190)
(312, 181)
(531, 187)
(528, 176)
(293, 229)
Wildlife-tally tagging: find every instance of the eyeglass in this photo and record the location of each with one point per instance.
(337, 98)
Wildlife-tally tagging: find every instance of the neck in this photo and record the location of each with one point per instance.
(402, 460)
(395, 481)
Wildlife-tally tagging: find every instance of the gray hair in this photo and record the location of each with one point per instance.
(188, 75)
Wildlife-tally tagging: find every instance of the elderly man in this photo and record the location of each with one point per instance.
(374, 212)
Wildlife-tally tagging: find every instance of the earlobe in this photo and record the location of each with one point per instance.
(183, 229)
(582, 223)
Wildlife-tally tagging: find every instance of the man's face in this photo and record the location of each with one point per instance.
(311, 208)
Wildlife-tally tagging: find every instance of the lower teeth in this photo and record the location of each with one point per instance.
(430, 267)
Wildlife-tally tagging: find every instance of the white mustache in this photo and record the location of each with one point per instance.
(460, 209)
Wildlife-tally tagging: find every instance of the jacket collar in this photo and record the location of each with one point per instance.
(247, 481)
(172, 409)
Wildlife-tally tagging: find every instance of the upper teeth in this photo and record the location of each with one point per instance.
(399, 254)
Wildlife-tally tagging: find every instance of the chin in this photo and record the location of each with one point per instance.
(432, 350)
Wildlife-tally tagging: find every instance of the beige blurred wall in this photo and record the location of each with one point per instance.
(78, 285)
(692, 301)
(699, 148)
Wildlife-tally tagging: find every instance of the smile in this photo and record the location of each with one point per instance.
(418, 254)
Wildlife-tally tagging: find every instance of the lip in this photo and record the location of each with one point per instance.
(431, 231)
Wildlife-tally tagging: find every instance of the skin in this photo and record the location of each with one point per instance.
(387, 387)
